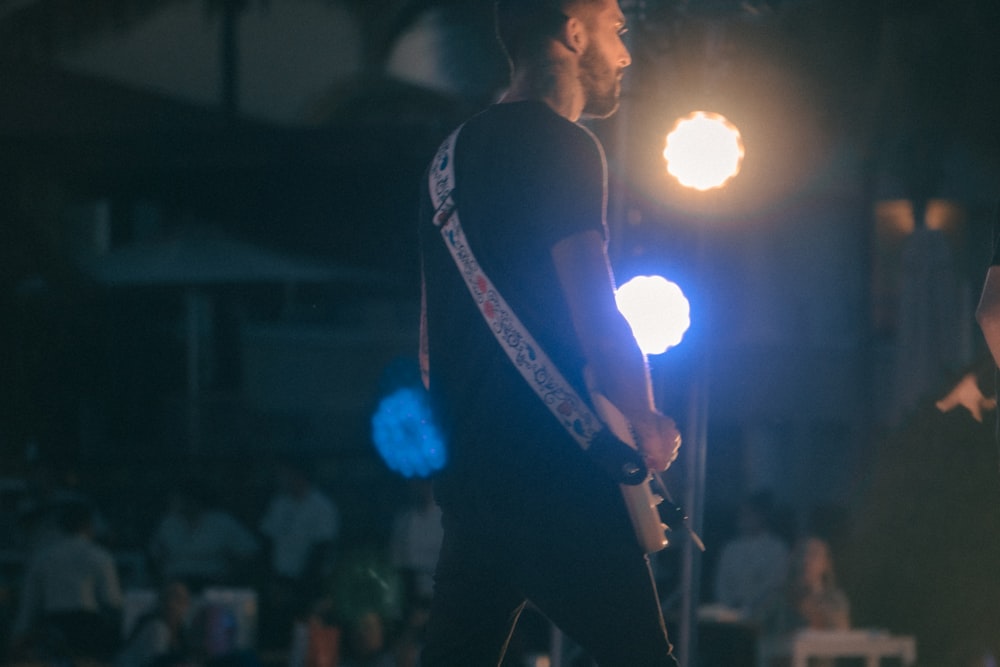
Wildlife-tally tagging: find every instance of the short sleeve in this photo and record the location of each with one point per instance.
(574, 194)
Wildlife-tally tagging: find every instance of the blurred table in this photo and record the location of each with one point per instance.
(872, 645)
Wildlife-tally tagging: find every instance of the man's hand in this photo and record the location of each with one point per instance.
(967, 394)
(659, 441)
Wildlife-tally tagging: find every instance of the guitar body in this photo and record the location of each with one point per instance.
(640, 500)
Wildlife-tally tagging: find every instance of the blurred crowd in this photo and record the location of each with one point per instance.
(778, 582)
(216, 589)
(771, 578)
(285, 589)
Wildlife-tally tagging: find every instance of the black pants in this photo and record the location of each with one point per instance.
(587, 576)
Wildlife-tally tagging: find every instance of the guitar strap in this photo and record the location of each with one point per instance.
(622, 462)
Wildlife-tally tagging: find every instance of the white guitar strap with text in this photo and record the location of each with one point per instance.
(611, 444)
(519, 345)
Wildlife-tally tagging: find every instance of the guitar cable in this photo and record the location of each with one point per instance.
(676, 511)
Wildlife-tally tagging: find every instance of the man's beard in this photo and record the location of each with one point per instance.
(600, 85)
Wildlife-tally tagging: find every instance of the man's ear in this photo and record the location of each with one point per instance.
(573, 35)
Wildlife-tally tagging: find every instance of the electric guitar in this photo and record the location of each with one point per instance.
(646, 509)
(641, 502)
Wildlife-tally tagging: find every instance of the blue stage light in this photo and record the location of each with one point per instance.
(405, 435)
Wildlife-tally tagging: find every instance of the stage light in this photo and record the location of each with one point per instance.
(405, 435)
(657, 311)
(704, 151)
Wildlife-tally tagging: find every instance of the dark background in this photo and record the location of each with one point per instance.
(302, 128)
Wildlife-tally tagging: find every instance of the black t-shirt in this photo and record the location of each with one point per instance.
(525, 179)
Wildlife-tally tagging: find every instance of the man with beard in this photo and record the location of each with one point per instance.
(529, 516)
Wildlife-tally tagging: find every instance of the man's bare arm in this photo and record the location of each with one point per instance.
(613, 357)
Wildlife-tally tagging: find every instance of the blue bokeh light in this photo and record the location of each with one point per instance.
(405, 434)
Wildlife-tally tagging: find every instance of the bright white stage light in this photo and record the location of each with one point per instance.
(704, 151)
(657, 311)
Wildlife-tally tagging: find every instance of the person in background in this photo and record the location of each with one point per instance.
(814, 599)
(753, 567)
(415, 543)
(976, 388)
(71, 599)
(199, 544)
(52, 487)
(988, 310)
(158, 640)
(414, 546)
(366, 643)
(973, 391)
(300, 526)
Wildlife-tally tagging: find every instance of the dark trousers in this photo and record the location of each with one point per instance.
(588, 577)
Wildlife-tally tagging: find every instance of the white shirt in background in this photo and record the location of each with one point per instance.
(295, 525)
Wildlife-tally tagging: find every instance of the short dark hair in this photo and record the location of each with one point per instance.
(525, 26)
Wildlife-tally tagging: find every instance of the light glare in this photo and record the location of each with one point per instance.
(704, 151)
(657, 311)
